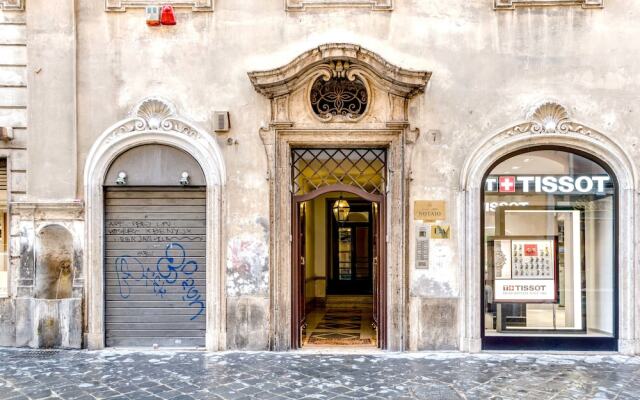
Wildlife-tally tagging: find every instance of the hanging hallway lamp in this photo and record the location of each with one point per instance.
(341, 209)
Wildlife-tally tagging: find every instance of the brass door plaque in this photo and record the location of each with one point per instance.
(440, 231)
(429, 210)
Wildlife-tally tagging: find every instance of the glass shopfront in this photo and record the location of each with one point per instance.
(549, 259)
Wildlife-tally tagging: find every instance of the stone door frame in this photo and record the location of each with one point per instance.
(384, 123)
(153, 121)
(396, 203)
(548, 124)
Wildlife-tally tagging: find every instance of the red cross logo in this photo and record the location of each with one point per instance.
(507, 184)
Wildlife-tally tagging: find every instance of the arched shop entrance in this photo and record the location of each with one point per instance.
(155, 249)
(132, 173)
(549, 252)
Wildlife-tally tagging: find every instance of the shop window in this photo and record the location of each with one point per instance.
(549, 248)
(4, 231)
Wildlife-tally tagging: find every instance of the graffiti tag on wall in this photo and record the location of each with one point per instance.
(171, 270)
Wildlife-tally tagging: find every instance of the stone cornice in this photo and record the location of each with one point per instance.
(281, 81)
(512, 4)
(12, 5)
(69, 209)
(122, 5)
(302, 5)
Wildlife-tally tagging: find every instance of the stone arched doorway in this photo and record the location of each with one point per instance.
(153, 122)
(372, 112)
(547, 125)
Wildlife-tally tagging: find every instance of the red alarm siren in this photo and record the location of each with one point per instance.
(167, 16)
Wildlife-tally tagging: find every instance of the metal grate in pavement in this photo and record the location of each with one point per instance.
(36, 354)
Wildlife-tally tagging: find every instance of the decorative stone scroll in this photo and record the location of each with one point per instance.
(512, 4)
(122, 5)
(301, 5)
(12, 5)
(341, 95)
(382, 90)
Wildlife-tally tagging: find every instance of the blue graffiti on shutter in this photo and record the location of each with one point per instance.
(173, 269)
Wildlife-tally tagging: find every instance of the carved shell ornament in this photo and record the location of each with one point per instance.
(549, 118)
(154, 110)
(154, 113)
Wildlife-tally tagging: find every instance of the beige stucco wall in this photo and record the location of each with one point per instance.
(489, 69)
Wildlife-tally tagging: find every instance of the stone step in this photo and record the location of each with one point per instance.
(349, 301)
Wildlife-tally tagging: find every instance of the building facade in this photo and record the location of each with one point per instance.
(461, 173)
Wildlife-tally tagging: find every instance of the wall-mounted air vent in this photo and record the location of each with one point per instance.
(221, 121)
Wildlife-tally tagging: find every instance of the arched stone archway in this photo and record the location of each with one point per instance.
(153, 121)
(548, 124)
(383, 123)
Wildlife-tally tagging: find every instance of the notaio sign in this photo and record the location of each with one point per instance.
(582, 184)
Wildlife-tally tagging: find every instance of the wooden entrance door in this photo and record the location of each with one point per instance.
(379, 272)
(298, 274)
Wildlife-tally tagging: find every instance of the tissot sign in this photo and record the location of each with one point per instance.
(531, 290)
(555, 184)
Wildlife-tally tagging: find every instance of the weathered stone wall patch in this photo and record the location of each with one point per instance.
(247, 266)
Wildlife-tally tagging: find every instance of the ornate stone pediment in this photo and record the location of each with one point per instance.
(155, 114)
(382, 90)
(549, 118)
(301, 5)
(13, 5)
(512, 4)
(122, 5)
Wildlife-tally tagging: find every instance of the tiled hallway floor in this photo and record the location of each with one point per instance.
(345, 324)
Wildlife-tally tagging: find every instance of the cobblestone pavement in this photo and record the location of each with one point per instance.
(28, 374)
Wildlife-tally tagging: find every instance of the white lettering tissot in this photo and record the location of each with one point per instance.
(548, 184)
(531, 290)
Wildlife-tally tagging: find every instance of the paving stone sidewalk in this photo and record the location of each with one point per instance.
(27, 374)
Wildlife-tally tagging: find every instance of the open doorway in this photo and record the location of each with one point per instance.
(338, 277)
(338, 245)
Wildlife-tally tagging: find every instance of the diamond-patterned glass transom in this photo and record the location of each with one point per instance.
(316, 168)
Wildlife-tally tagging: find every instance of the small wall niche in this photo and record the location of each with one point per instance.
(54, 263)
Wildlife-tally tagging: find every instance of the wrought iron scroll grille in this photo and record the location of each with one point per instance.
(316, 168)
(339, 97)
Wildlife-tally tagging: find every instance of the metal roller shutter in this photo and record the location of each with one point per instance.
(155, 261)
